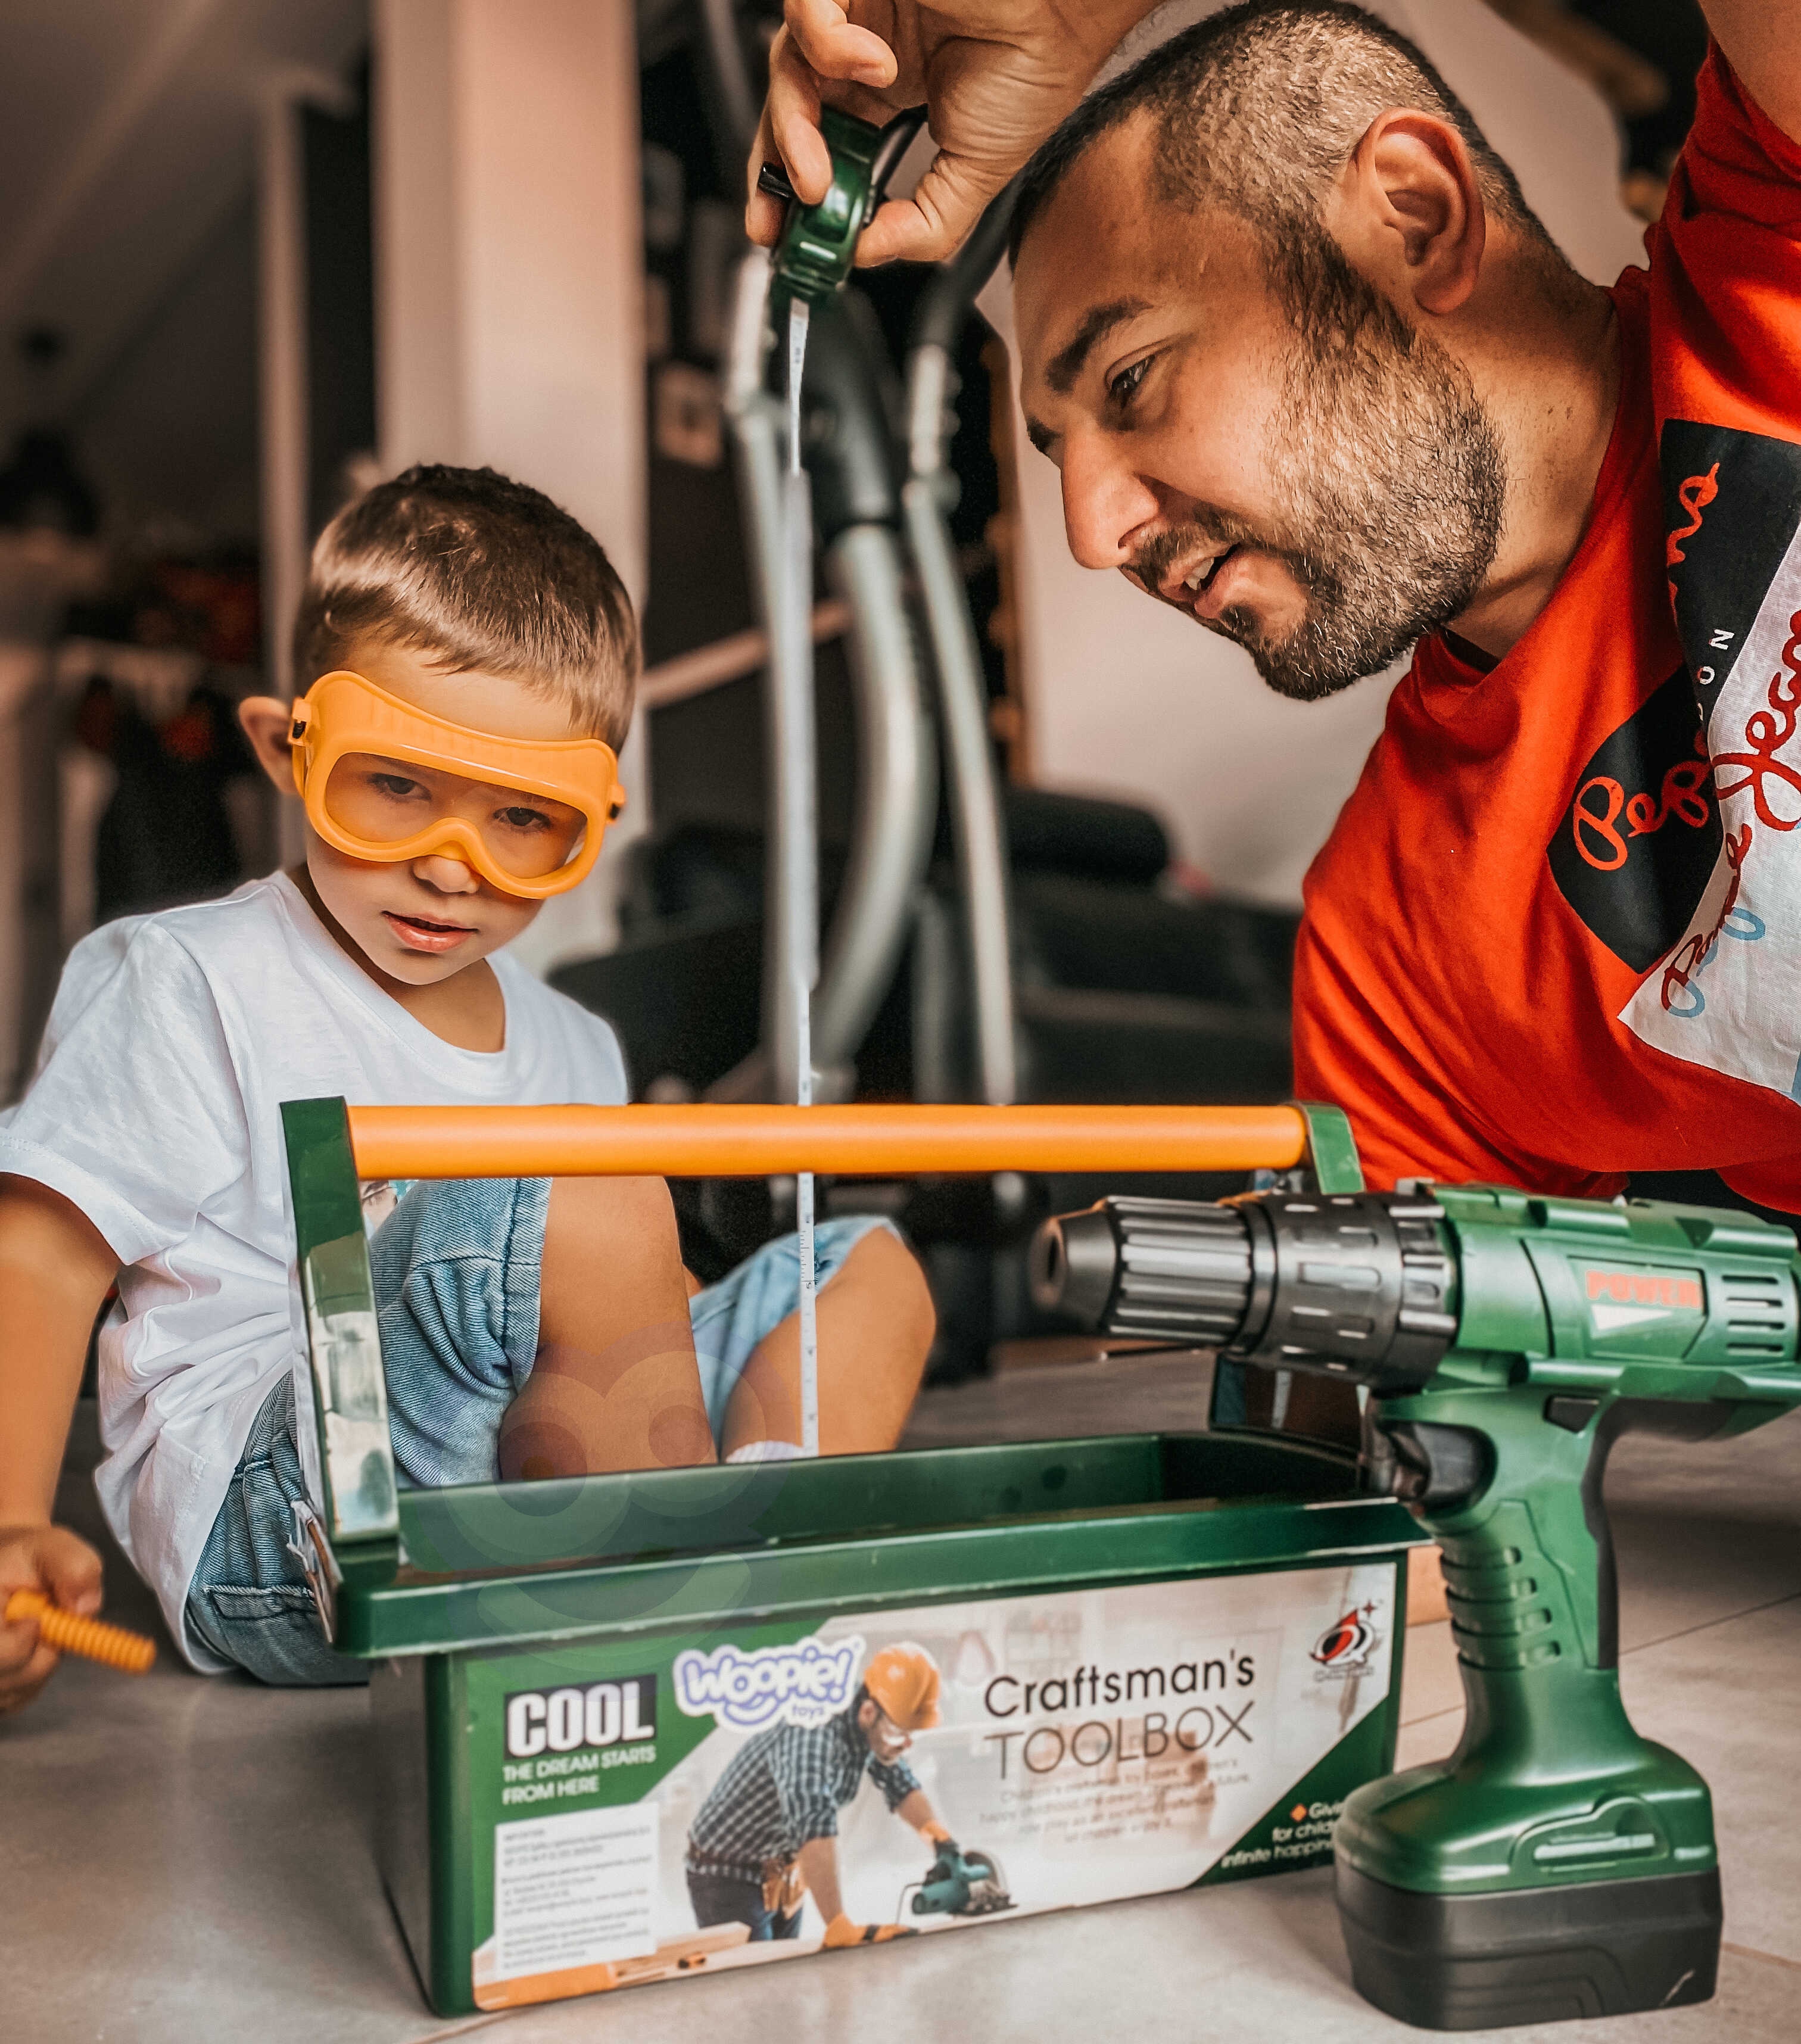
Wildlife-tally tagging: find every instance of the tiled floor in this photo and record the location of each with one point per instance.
(183, 1860)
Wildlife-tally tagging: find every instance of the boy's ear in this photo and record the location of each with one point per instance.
(265, 721)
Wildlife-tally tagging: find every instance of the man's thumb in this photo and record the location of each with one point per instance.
(935, 221)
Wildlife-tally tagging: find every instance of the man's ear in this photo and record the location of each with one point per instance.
(264, 721)
(1409, 214)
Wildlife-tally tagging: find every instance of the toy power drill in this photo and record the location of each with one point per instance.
(1557, 1864)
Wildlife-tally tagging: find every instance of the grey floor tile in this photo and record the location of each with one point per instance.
(1724, 1697)
(1261, 1962)
(1704, 1529)
(1430, 1686)
(1059, 1400)
(189, 1859)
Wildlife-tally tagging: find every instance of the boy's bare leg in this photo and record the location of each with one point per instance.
(615, 1385)
(875, 1328)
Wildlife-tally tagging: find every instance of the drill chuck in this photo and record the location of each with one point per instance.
(1360, 1285)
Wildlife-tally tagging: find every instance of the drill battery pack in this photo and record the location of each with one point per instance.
(1531, 1955)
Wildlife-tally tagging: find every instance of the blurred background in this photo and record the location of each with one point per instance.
(255, 253)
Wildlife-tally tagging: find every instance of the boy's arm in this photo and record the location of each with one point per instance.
(54, 1268)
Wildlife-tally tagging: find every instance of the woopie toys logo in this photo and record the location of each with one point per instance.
(802, 1684)
(1344, 1649)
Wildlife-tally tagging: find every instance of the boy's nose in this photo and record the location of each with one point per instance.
(447, 873)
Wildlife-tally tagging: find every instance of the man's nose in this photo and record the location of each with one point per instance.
(1108, 508)
(448, 874)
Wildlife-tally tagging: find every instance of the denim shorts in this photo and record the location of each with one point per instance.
(456, 1268)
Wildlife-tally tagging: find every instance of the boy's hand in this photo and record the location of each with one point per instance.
(62, 1565)
(996, 76)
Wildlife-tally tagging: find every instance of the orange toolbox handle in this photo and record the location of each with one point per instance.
(876, 1141)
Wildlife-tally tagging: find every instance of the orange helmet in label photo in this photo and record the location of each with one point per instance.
(903, 1679)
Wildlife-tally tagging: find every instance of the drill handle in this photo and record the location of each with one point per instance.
(1514, 1505)
(1511, 1484)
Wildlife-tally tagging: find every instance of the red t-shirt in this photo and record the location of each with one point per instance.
(1545, 944)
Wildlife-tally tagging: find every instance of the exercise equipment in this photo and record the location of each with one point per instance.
(92, 1638)
(1557, 1864)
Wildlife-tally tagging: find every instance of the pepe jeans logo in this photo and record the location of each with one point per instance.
(1632, 851)
(802, 1684)
(1345, 1649)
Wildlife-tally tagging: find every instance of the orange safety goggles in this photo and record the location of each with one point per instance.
(383, 781)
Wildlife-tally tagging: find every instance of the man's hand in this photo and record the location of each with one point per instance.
(49, 1558)
(841, 1933)
(997, 76)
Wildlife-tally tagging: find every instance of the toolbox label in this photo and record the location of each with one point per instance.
(1344, 1649)
(594, 1714)
(1082, 1745)
(574, 1891)
(803, 1685)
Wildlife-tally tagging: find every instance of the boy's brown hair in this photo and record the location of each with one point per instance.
(475, 571)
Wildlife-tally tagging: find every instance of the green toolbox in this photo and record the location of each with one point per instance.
(1125, 1665)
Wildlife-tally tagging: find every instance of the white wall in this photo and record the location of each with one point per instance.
(167, 432)
(1123, 697)
(509, 282)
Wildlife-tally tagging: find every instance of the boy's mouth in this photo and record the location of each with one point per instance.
(426, 933)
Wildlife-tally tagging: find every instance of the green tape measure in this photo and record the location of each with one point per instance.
(818, 243)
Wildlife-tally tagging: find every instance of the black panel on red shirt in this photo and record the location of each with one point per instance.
(1733, 502)
(1634, 849)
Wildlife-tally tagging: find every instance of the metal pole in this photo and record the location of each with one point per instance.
(975, 805)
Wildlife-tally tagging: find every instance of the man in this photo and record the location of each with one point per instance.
(769, 1830)
(1313, 374)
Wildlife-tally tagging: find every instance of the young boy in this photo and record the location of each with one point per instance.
(472, 657)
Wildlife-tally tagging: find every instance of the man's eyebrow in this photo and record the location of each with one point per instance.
(1067, 366)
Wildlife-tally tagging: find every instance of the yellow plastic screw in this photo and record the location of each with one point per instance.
(129, 1652)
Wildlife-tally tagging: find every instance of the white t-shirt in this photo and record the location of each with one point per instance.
(156, 1109)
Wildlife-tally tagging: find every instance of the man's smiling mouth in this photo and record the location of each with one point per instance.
(1205, 572)
(1182, 592)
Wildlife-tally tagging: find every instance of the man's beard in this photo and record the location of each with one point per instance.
(1388, 485)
